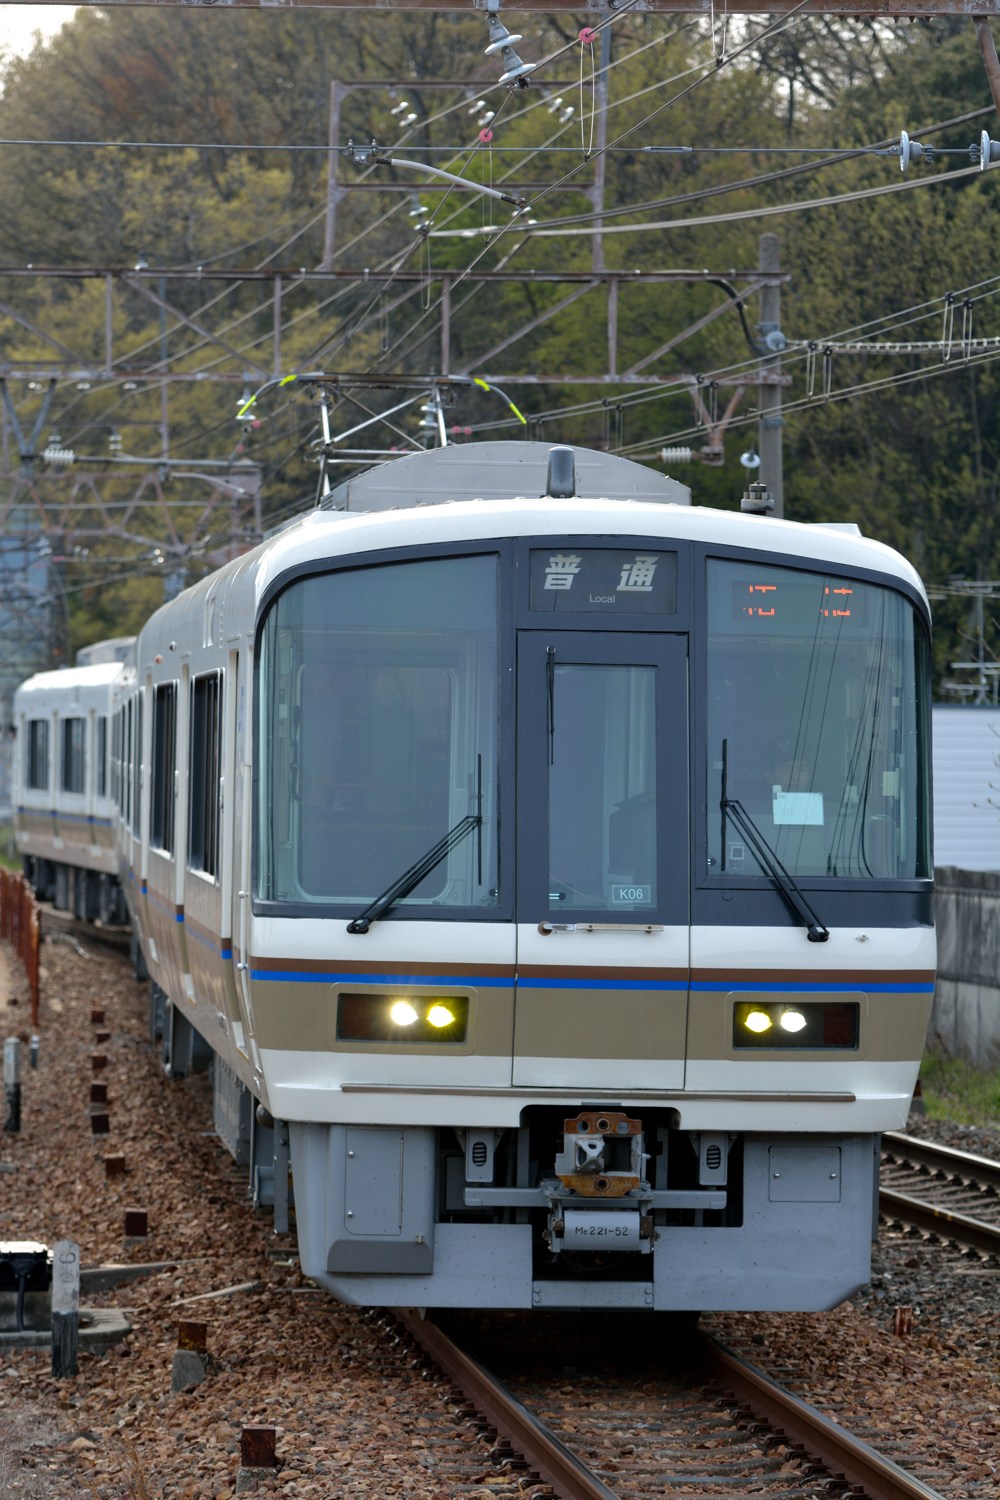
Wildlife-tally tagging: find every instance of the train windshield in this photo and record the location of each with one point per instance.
(379, 687)
(817, 724)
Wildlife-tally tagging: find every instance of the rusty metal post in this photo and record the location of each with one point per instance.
(190, 1361)
(258, 1459)
(34, 960)
(257, 1448)
(19, 924)
(136, 1223)
(991, 63)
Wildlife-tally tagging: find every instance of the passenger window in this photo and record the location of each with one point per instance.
(72, 759)
(205, 769)
(161, 831)
(38, 755)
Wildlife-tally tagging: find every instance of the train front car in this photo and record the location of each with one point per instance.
(584, 936)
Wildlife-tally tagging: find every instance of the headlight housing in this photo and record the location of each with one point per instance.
(810, 1026)
(402, 1019)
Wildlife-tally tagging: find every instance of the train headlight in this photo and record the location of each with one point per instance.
(812, 1026)
(409, 1020)
(440, 1016)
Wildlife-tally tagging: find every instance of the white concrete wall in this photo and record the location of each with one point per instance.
(966, 786)
(966, 1016)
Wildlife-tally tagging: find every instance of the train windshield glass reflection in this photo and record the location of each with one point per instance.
(602, 789)
(817, 705)
(379, 686)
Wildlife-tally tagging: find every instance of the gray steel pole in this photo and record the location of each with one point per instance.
(12, 1083)
(600, 146)
(334, 192)
(771, 421)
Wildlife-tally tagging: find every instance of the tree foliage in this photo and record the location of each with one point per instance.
(912, 455)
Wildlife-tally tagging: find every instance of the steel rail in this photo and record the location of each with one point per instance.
(909, 1148)
(64, 925)
(550, 1458)
(823, 1439)
(924, 1215)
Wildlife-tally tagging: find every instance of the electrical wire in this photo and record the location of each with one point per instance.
(737, 215)
(441, 114)
(763, 179)
(338, 343)
(772, 28)
(502, 230)
(732, 373)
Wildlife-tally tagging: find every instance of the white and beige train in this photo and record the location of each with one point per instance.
(542, 864)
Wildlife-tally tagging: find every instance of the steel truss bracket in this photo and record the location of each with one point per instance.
(28, 450)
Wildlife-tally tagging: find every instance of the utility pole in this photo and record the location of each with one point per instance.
(600, 146)
(334, 192)
(164, 380)
(769, 441)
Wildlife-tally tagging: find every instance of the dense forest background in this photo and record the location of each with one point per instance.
(877, 438)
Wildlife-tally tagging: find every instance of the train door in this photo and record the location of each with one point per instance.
(602, 861)
(240, 778)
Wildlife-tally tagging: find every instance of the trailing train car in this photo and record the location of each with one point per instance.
(544, 865)
(64, 814)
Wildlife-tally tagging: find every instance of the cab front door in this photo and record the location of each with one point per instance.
(602, 861)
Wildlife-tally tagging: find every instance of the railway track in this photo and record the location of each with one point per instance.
(941, 1191)
(63, 925)
(711, 1424)
(703, 1422)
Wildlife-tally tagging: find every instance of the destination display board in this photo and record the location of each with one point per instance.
(603, 580)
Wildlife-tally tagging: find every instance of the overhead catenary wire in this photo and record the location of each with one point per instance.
(474, 263)
(859, 388)
(762, 179)
(736, 215)
(494, 234)
(771, 29)
(925, 131)
(552, 57)
(441, 114)
(797, 352)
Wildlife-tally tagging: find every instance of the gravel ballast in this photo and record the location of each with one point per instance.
(354, 1414)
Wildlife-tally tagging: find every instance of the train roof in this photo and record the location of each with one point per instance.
(495, 471)
(440, 499)
(113, 650)
(70, 680)
(322, 534)
(497, 489)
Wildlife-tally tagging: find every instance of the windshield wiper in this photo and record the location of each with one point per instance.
(412, 877)
(789, 888)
